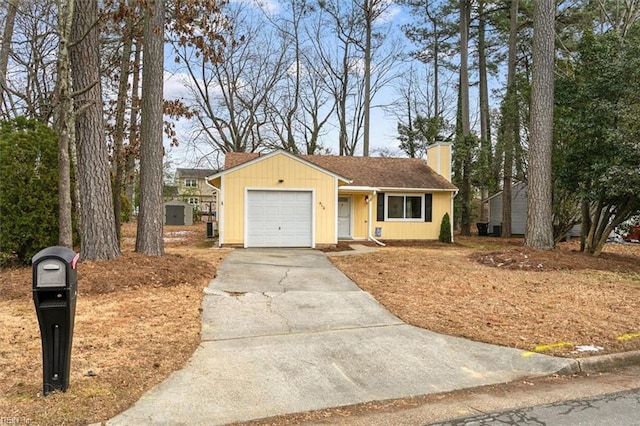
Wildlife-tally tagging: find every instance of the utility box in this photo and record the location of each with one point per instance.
(55, 283)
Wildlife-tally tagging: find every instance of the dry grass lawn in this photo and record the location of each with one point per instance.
(138, 318)
(497, 291)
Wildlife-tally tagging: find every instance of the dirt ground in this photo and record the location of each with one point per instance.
(138, 318)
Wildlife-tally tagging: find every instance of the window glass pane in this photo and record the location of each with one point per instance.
(414, 208)
(395, 208)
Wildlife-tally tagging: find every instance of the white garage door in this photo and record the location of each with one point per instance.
(279, 219)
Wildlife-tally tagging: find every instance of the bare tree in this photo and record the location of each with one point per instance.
(149, 239)
(339, 62)
(30, 82)
(119, 159)
(231, 94)
(510, 116)
(98, 232)
(539, 205)
(5, 47)
(371, 10)
(64, 123)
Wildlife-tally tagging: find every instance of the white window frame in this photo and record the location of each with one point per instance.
(404, 219)
(191, 183)
(194, 201)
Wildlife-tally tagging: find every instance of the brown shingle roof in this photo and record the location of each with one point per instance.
(377, 172)
(195, 173)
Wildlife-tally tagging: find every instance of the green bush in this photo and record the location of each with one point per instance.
(445, 229)
(28, 189)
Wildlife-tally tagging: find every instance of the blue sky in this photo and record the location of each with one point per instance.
(383, 128)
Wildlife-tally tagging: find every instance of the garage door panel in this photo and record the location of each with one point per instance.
(279, 218)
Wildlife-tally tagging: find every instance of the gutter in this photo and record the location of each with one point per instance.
(453, 195)
(219, 205)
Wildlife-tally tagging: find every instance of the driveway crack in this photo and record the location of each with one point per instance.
(275, 312)
(281, 282)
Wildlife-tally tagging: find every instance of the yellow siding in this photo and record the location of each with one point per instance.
(439, 159)
(266, 174)
(359, 214)
(360, 217)
(401, 230)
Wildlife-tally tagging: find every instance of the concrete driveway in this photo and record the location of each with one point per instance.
(284, 331)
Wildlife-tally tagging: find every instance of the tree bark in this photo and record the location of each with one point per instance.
(5, 47)
(369, 17)
(150, 220)
(119, 157)
(539, 207)
(98, 232)
(485, 119)
(464, 139)
(134, 140)
(510, 116)
(64, 124)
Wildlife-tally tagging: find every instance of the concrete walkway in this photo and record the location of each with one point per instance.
(284, 331)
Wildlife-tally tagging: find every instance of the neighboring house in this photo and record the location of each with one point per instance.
(285, 200)
(193, 188)
(519, 196)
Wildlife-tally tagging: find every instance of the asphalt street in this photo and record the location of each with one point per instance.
(618, 409)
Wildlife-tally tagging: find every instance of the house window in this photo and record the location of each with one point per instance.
(194, 201)
(404, 207)
(190, 183)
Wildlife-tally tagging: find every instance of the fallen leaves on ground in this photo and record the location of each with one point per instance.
(137, 320)
(509, 295)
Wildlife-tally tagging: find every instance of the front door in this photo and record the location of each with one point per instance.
(344, 217)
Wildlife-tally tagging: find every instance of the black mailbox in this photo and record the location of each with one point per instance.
(55, 283)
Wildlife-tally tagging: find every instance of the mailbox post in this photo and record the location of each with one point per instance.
(55, 281)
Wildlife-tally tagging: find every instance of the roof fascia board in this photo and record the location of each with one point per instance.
(397, 189)
(273, 154)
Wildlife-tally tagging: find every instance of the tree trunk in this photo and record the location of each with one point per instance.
(485, 119)
(5, 47)
(133, 147)
(119, 157)
(510, 116)
(369, 16)
(465, 190)
(64, 124)
(98, 232)
(150, 220)
(539, 207)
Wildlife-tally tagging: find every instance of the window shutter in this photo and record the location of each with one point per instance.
(428, 201)
(380, 201)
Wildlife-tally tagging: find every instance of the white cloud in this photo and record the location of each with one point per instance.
(390, 14)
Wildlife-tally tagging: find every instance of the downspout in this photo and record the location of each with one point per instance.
(218, 209)
(451, 218)
(371, 238)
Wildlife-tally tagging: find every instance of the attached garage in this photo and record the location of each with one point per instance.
(277, 218)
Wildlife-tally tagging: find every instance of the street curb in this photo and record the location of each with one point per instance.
(602, 363)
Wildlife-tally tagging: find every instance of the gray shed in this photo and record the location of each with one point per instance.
(518, 210)
(519, 195)
(178, 213)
